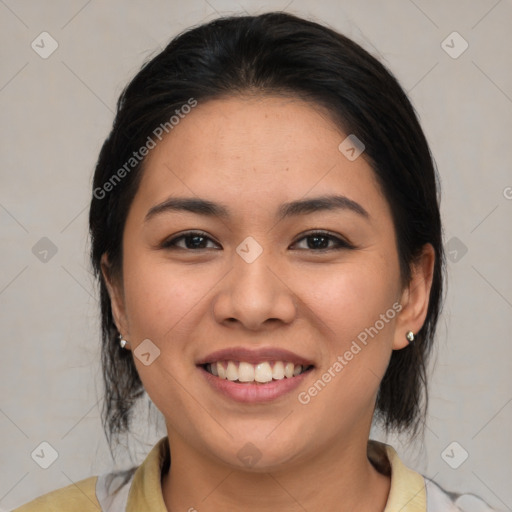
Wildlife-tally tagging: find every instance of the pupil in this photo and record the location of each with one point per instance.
(316, 245)
(195, 239)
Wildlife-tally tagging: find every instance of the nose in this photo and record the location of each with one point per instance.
(254, 296)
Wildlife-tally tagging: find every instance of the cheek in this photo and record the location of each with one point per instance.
(149, 297)
(348, 300)
(162, 297)
(346, 305)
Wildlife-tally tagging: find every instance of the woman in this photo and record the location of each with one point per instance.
(266, 234)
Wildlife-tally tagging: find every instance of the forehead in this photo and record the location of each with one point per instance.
(253, 151)
(266, 131)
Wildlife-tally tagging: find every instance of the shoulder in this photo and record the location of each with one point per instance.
(80, 496)
(440, 500)
(413, 491)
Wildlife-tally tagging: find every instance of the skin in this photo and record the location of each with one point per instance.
(252, 154)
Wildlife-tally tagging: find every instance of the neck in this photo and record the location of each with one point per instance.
(347, 478)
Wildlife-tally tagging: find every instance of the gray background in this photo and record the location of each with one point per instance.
(56, 113)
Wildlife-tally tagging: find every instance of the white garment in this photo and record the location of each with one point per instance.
(439, 500)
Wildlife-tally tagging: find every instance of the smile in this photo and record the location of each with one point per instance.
(263, 372)
(254, 383)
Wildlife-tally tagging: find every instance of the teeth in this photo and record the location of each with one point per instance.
(278, 370)
(232, 371)
(220, 369)
(246, 372)
(261, 372)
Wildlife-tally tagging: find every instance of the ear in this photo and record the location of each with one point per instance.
(115, 291)
(415, 298)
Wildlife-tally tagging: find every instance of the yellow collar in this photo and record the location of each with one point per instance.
(407, 492)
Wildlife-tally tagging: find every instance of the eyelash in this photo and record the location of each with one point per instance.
(341, 243)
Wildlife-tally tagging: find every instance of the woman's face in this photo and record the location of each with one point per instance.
(258, 288)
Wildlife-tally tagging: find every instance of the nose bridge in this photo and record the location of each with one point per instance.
(253, 292)
(252, 277)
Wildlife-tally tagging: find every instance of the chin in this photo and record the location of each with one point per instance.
(259, 454)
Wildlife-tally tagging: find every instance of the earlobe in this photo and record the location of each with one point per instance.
(116, 296)
(415, 298)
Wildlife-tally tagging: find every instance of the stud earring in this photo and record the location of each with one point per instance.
(410, 336)
(122, 341)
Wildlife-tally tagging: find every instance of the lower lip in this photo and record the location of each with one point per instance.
(254, 393)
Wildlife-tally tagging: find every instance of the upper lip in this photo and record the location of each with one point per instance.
(255, 356)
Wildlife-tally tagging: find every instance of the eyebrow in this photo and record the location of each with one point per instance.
(294, 208)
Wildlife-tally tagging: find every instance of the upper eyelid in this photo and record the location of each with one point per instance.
(339, 240)
(334, 237)
(181, 236)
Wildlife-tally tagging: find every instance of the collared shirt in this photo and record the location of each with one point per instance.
(139, 489)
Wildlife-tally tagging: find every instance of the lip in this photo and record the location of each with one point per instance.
(253, 393)
(255, 356)
(257, 392)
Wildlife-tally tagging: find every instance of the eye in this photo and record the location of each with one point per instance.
(193, 240)
(319, 241)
